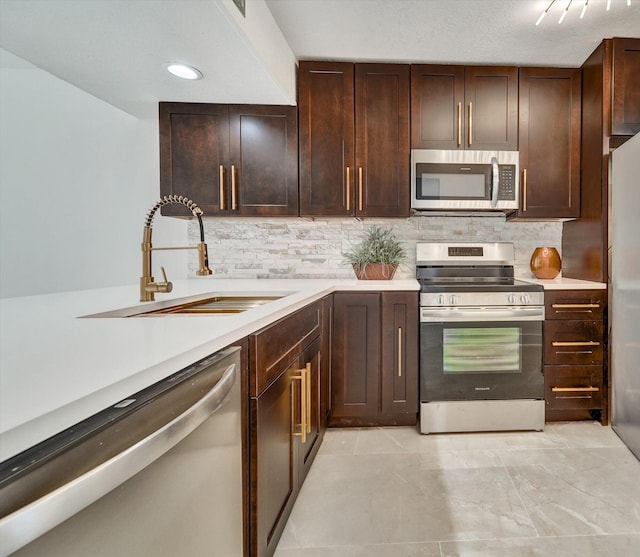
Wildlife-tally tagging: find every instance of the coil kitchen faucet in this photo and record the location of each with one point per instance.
(148, 286)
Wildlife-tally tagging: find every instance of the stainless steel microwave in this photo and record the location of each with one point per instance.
(464, 180)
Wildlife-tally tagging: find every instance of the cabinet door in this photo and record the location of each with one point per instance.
(399, 362)
(355, 384)
(458, 107)
(626, 87)
(550, 142)
(327, 141)
(263, 162)
(491, 108)
(382, 140)
(437, 98)
(309, 363)
(194, 149)
(275, 419)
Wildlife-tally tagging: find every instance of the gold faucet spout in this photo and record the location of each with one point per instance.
(148, 286)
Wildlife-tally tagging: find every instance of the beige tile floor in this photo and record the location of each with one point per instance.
(570, 491)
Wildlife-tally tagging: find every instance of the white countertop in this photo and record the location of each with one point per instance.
(56, 369)
(562, 283)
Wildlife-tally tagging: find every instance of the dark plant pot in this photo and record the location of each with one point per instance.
(375, 271)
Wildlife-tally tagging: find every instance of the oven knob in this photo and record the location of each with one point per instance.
(441, 300)
(453, 299)
(512, 298)
(524, 299)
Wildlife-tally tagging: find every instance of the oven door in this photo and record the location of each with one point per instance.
(481, 360)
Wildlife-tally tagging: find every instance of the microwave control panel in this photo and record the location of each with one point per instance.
(507, 188)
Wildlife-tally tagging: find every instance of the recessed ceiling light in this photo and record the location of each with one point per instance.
(183, 71)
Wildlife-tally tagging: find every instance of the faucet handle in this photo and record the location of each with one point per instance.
(164, 274)
(165, 285)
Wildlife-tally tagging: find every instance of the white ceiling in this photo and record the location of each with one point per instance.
(456, 31)
(116, 49)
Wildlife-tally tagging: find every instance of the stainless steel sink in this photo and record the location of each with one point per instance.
(207, 304)
(217, 304)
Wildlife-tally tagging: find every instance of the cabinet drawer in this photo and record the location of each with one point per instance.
(573, 387)
(274, 346)
(574, 304)
(573, 342)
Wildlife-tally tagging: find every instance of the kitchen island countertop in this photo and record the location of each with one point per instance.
(57, 369)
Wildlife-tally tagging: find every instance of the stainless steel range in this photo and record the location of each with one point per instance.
(480, 340)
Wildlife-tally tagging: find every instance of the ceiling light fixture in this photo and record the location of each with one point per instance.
(183, 71)
(568, 4)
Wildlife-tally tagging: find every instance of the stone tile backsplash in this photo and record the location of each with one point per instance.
(304, 248)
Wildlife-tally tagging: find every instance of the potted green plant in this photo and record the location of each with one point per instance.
(378, 256)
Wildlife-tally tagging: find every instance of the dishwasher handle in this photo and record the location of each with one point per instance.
(31, 521)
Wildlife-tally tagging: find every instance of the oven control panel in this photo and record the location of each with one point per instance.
(484, 299)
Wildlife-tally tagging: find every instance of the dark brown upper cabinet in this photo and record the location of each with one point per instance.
(464, 107)
(549, 138)
(625, 117)
(354, 139)
(610, 98)
(230, 159)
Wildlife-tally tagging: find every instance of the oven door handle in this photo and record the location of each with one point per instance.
(444, 315)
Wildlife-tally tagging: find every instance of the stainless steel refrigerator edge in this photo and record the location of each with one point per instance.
(624, 291)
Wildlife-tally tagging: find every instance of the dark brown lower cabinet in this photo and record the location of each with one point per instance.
(574, 357)
(374, 367)
(286, 421)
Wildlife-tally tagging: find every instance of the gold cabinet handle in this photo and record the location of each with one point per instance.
(576, 306)
(575, 343)
(399, 351)
(524, 189)
(470, 124)
(221, 174)
(301, 374)
(459, 124)
(308, 405)
(575, 389)
(348, 188)
(234, 204)
(359, 188)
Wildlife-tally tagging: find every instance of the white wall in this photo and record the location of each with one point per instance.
(77, 177)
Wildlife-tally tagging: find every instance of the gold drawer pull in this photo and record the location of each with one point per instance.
(459, 124)
(234, 203)
(576, 306)
(221, 175)
(575, 389)
(308, 418)
(470, 124)
(575, 343)
(348, 188)
(399, 351)
(360, 188)
(301, 374)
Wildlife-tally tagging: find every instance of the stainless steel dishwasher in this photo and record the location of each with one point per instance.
(159, 473)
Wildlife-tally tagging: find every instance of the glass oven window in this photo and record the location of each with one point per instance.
(481, 350)
(452, 186)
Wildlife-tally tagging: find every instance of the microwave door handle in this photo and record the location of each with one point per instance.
(495, 182)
